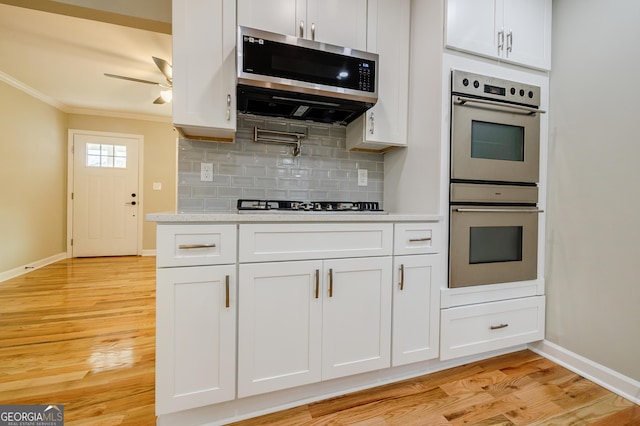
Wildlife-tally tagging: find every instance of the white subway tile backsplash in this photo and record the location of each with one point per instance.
(245, 169)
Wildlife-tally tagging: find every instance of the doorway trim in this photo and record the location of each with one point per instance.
(70, 181)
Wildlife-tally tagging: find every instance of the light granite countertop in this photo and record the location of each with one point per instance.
(288, 217)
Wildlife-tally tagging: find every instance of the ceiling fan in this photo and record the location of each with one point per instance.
(166, 93)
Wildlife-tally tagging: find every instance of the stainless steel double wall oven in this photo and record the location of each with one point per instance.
(495, 157)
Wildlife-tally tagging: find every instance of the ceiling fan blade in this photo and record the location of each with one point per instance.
(137, 80)
(165, 68)
(159, 101)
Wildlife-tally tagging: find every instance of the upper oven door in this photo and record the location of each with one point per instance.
(494, 142)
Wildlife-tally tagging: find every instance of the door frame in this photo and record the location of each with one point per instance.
(70, 181)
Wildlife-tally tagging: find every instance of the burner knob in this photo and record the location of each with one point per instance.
(318, 206)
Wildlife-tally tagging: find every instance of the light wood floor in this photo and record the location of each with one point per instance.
(81, 332)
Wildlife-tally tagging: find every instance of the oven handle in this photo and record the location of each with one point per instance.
(520, 108)
(467, 210)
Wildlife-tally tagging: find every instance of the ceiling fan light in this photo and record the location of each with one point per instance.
(166, 95)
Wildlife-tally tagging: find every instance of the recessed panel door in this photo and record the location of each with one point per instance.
(106, 200)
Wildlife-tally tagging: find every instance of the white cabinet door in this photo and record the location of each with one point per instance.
(204, 40)
(276, 16)
(279, 326)
(356, 332)
(385, 124)
(517, 31)
(339, 22)
(416, 313)
(471, 26)
(530, 25)
(195, 337)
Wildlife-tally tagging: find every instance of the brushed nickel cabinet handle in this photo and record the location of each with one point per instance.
(509, 42)
(498, 327)
(228, 107)
(501, 39)
(401, 277)
(372, 122)
(330, 282)
(317, 283)
(313, 31)
(226, 284)
(195, 246)
(419, 240)
(301, 29)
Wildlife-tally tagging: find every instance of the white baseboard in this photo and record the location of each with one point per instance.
(148, 252)
(617, 383)
(31, 266)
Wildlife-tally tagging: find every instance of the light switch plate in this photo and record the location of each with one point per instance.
(206, 172)
(362, 177)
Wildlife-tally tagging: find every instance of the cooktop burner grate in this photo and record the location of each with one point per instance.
(255, 206)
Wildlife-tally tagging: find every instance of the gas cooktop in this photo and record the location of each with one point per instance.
(285, 206)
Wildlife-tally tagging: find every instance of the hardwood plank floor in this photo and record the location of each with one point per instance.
(81, 332)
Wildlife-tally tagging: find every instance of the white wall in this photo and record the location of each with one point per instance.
(412, 174)
(593, 228)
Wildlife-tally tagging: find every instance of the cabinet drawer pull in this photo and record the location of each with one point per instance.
(195, 246)
(330, 282)
(226, 285)
(317, 283)
(419, 240)
(401, 277)
(498, 327)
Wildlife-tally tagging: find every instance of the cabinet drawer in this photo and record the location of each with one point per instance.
(195, 245)
(474, 329)
(273, 242)
(417, 238)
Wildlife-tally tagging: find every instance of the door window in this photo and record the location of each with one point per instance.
(106, 155)
(496, 141)
(490, 244)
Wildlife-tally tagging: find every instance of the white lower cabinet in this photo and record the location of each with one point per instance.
(473, 329)
(196, 337)
(280, 326)
(416, 292)
(302, 322)
(356, 316)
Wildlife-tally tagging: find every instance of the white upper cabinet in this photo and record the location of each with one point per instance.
(204, 72)
(385, 125)
(517, 31)
(339, 22)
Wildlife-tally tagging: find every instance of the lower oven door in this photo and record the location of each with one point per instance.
(492, 245)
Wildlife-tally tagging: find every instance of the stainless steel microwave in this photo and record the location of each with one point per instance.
(285, 76)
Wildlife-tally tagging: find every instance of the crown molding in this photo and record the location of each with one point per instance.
(6, 78)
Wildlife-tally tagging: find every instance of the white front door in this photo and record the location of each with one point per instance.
(106, 196)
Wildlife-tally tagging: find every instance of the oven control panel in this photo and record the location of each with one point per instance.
(482, 86)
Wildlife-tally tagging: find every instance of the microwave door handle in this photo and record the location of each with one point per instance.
(468, 210)
(522, 109)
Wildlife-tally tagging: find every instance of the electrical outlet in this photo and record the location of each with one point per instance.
(206, 172)
(362, 177)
